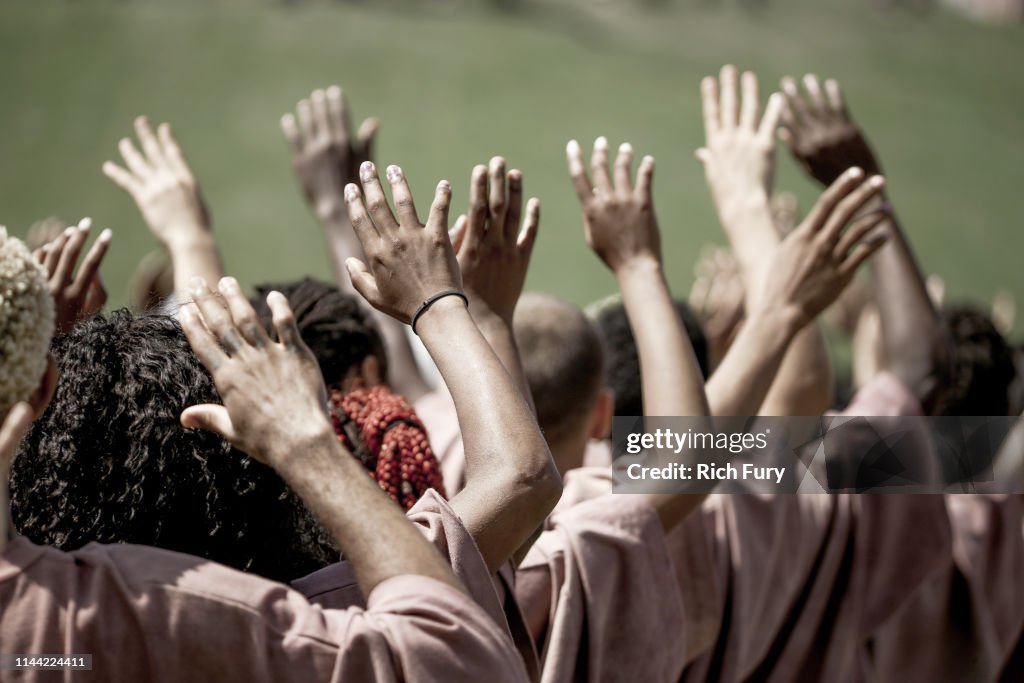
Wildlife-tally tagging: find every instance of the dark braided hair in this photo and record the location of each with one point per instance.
(376, 425)
(108, 461)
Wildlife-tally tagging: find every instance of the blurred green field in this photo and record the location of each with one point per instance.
(456, 82)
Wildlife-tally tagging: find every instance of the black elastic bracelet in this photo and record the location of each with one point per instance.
(429, 302)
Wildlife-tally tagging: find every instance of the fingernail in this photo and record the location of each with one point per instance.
(106, 235)
(625, 148)
(351, 192)
(229, 283)
(70, 230)
(601, 142)
(366, 170)
(444, 185)
(648, 159)
(85, 223)
(573, 147)
(393, 173)
(856, 172)
(197, 284)
(877, 181)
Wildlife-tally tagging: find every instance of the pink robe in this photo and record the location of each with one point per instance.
(146, 614)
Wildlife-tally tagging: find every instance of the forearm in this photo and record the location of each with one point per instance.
(357, 514)
(501, 338)
(194, 256)
(511, 481)
(912, 337)
(403, 373)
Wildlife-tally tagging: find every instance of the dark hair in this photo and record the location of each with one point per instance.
(563, 361)
(982, 366)
(338, 331)
(623, 370)
(108, 461)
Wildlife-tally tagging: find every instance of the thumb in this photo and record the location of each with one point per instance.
(209, 417)
(703, 155)
(362, 280)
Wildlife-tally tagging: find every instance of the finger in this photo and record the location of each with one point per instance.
(709, 102)
(136, 164)
(528, 235)
(242, 313)
(515, 204)
(826, 204)
(205, 346)
(337, 110)
(796, 106)
(404, 204)
(96, 298)
(144, 131)
(362, 280)
(56, 248)
(858, 230)
(772, 115)
(122, 178)
(624, 169)
(365, 230)
(216, 318)
(599, 166)
(14, 429)
(729, 104)
(862, 253)
(836, 101)
(88, 272)
(172, 153)
(72, 250)
(578, 172)
(321, 120)
(497, 198)
(306, 124)
(376, 202)
(849, 206)
(458, 232)
(645, 177)
(438, 218)
(367, 137)
(814, 94)
(209, 418)
(751, 100)
(284, 321)
(291, 133)
(478, 208)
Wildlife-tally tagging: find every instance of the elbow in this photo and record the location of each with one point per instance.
(540, 484)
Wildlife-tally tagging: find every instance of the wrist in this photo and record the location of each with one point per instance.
(436, 319)
(778, 325)
(189, 237)
(644, 266)
(303, 447)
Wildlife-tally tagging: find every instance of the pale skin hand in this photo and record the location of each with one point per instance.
(76, 296)
(511, 480)
(275, 410)
(621, 229)
(325, 157)
(164, 188)
(494, 255)
(739, 162)
(15, 426)
(823, 137)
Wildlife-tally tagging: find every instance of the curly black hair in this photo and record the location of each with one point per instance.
(109, 461)
(336, 328)
(622, 369)
(978, 383)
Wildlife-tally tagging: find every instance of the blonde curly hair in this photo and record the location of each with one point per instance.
(26, 322)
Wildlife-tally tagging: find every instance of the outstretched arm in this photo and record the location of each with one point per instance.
(512, 482)
(165, 190)
(621, 228)
(739, 163)
(326, 157)
(15, 425)
(274, 410)
(825, 140)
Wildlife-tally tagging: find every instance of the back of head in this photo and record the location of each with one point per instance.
(982, 366)
(623, 375)
(109, 461)
(26, 322)
(338, 331)
(563, 360)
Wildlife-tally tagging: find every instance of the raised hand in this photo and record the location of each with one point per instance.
(273, 392)
(80, 295)
(812, 266)
(820, 133)
(409, 262)
(739, 149)
(162, 185)
(492, 251)
(618, 216)
(325, 154)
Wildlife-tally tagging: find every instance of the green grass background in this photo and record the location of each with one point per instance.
(456, 82)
